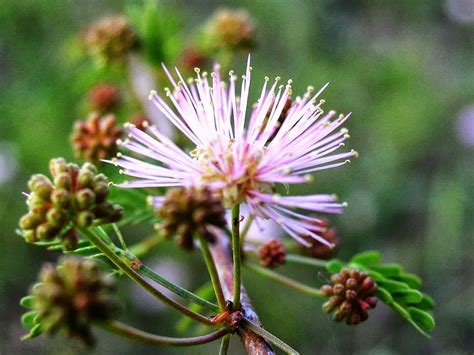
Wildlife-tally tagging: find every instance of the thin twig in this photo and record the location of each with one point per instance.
(140, 335)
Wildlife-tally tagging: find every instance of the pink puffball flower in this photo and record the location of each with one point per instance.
(241, 157)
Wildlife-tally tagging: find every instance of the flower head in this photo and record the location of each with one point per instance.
(351, 295)
(238, 156)
(96, 137)
(70, 296)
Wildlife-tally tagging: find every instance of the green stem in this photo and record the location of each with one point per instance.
(304, 260)
(269, 337)
(120, 236)
(132, 274)
(139, 335)
(152, 275)
(236, 254)
(311, 291)
(224, 345)
(246, 228)
(211, 267)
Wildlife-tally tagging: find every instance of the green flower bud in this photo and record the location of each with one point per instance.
(101, 190)
(57, 217)
(37, 179)
(57, 166)
(73, 295)
(85, 178)
(84, 219)
(85, 198)
(46, 231)
(30, 235)
(63, 181)
(29, 221)
(61, 198)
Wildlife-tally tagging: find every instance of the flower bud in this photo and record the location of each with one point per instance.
(96, 138)
(46, 231)
(63, 181)
(84, 219)
(85, 198)
(186, 211)
(57, 166)
(352, 294)
(104, 97)
(56, 217)
(61, 198)
(272, 254)
(73, 295)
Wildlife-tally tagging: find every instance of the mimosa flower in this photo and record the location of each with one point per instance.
(242, 158)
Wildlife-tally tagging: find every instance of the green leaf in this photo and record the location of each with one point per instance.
(377, 276)
(408, 296)
(27, 319)
(427, 303)
(400, 309)
(27, 301)
(34, 332)
(384, 296)
(85, 251)
(423, 319)
(410, 279)
(334, 266)
(367, 258)
(392, 286)
(388, 270)
(100, 232)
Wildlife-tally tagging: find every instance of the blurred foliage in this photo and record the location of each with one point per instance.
(403, 68)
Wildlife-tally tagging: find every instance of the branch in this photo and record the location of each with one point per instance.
(222, 254)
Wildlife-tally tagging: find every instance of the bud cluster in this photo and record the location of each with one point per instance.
(186, 211)
(104, 97)
(272, 254)
(96, 138)
(232, 30)
(352, 294)
(71, 296)
(110, 39)
(318, 249)
(76, 195)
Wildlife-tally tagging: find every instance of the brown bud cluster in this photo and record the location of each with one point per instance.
(272, 254)
(351, 295)
(318, 249)
(96, 138)
(75, 197)
(104, 97)
(187, 211)
(193, 58)
(71, 296)
(110, 39)
(232, 30)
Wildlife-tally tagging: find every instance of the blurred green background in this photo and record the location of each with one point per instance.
(405, 70)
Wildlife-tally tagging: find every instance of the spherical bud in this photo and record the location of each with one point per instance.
(352, 294)
(69, 240)
(96, 138)
(84, 219)
(104, 97)
(231, 30)
(192, 58)
(30, 235)
(72, 296)
(318, 249)
(30, 221)
(61, 198)
(186, 211)
(85, 198)
(38, 179)
(272, 254)
(57, 166)
(101, 191)
(63, 181)
(56, 217)
(110, 39)
(46, 231)
(85, 179)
